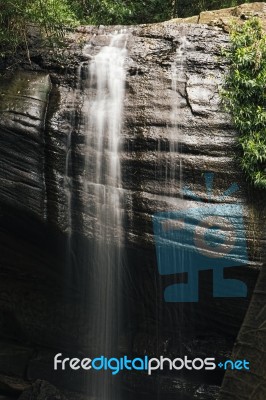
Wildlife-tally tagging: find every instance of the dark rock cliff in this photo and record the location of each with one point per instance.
(44, 207)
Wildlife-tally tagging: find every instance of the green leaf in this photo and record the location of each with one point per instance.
(244, 95)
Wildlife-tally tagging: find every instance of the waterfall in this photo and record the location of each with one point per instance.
(167, 260)
(70, 116)
(178, 78)
(103, 117)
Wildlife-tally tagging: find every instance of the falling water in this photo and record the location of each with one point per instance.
(173, 177)
(177, 79)
(103, 124)
(70, 114)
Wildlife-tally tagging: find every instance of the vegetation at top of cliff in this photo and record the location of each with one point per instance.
(188, 8)
(53, 16)
(244, 95)
(16, 16)
(108, 12)
(126, 12)
(143, 11)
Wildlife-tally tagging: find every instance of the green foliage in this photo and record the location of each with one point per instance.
(152, 11)
(244, 95)
(107, 12)
(187, 8)
(143, 11)
(51, 16)
(126, 12)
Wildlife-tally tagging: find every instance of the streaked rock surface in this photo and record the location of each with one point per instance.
(42, 193)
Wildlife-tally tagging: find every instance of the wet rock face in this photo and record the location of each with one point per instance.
(42, 390)
(43, 199)
(149, 106)
(23, 105)
(148, 123)
(154, 178)
(155, 116)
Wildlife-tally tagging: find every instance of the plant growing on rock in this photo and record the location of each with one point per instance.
(244, 95)
(50, 16)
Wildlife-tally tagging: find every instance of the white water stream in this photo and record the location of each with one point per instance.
(103, 125)
(177, 78)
